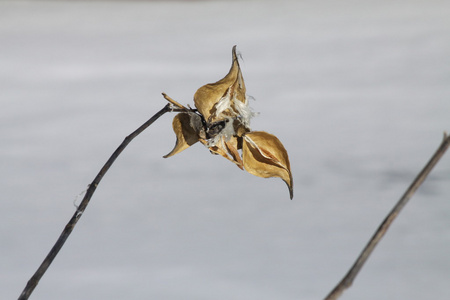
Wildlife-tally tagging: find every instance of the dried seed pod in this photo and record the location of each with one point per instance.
(264, 155)
(222, 123)
(224, 98)
(188, 128)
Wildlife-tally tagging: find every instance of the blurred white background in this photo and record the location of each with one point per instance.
(358, 92)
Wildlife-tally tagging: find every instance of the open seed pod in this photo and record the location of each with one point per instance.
(222, 123)
(265, 156)
(225, 98)
(188, 129)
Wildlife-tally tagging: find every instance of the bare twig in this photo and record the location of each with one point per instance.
(173, 101)
(347, 281)
(33, 282)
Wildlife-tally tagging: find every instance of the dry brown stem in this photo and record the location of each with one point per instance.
(34, 280)
(348, 279)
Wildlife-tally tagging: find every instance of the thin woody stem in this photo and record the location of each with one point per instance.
(347, 281)
(33, 282)
(174, 102)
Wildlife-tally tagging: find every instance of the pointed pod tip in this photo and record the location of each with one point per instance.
(234, 54)
(291, 185)
(171, 153)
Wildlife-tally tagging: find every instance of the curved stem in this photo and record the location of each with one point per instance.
(34, 280)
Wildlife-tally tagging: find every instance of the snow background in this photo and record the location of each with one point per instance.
(358, 92)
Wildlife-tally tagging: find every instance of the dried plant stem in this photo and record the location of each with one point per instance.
(347, 281)
(33, 282)
(173, 101)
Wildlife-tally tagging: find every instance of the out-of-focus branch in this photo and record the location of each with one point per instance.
(34, 280)
(348, 279)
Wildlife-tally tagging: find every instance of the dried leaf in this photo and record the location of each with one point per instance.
(265, 156)
(187, 129)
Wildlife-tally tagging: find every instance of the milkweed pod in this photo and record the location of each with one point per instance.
(216, 100)
(264, 155)
(187, 127)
